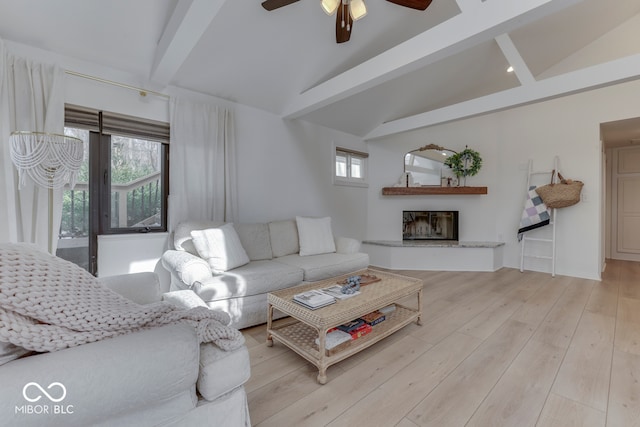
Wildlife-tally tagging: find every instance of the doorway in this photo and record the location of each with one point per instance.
(621, 143)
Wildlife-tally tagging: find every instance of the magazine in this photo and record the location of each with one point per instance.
(334, 338)
(314, 299)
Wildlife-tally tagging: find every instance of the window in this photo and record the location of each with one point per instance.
(121, 188)
(134, 192)
(350, 167)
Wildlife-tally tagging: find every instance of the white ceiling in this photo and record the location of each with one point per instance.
(402, 69)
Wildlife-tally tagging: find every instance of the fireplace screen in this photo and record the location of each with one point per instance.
(430, 225)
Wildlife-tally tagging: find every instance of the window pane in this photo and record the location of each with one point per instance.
(136, 183)
(341, 165)
(356, 167)
(73, 243)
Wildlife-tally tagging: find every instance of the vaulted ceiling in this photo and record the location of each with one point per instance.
(403, 69)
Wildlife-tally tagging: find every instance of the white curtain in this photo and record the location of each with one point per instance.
(202, 155)
(31, 99)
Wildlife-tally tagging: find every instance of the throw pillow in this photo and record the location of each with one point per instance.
(316, 236)
(182, 239)
(220, 247)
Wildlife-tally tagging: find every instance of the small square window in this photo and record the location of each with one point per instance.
(350, 168)
(341, 165)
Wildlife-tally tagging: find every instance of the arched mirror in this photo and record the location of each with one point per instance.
(426, 164)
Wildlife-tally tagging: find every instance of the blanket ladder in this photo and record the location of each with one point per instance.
(552, 222)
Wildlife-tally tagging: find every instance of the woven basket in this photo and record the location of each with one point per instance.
(562, 194)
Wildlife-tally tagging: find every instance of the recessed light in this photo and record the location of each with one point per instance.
(510, 69)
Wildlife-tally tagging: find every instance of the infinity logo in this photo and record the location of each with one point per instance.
(43, 391)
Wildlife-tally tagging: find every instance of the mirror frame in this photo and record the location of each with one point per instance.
(425, 148)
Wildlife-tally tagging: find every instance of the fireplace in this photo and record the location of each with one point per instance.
(430, 225)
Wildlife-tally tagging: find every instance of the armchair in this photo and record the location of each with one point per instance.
(156, 376)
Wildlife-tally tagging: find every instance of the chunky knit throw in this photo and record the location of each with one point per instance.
(48, 304)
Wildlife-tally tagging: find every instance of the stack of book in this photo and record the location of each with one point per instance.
(356, 328)
(339, 337)
(314, 299)
(374, 318)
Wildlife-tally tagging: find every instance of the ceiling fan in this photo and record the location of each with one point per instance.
(347, 11)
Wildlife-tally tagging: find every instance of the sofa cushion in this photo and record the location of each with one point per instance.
(284, 237)
(182, 235)
(255, 240)
(126, 375)
(324, 266)
(220, 247)
(254, 278)
(222, 371)
(316, 236)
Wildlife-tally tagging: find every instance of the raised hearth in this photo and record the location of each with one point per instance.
(434, 255)
(432, 244)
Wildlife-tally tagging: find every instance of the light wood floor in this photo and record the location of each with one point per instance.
(495, 349)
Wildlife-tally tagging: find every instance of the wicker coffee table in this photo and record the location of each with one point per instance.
(306, 325)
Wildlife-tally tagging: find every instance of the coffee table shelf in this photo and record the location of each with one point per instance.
(301, 337)
(306, 325)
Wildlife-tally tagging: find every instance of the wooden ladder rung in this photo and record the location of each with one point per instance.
(537, 239)
(538, 256)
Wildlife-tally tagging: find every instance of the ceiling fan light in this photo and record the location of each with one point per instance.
(357, 9)
(330, 6)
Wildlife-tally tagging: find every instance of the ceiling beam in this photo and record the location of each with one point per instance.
(466, 5)
(483, 22)
(607, 74)
(187, 24)
(509, 50)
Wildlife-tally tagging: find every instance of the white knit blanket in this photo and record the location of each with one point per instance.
(48, 304)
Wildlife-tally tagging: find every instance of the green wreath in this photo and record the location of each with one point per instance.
(465, 163)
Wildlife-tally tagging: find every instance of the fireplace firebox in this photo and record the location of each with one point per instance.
(430, 225)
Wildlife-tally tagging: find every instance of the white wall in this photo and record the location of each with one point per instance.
(284, 167)
(567, 127)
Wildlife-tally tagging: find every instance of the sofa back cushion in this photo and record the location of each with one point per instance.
(316, 236)
(284, 237)
(255, 240)
(220, 247)
(182, 240)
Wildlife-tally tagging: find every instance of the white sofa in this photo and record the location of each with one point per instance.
(155, 377)
(275, 262)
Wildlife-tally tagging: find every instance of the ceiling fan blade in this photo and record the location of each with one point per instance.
(276, 4)
(344, 24)
(413, 4)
